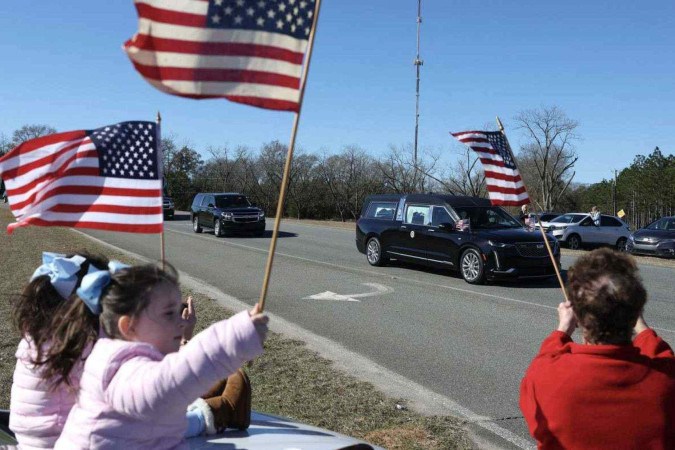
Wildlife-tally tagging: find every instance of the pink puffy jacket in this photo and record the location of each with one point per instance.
(133, 397)
(38, 414)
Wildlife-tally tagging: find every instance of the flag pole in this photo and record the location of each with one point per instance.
(543, 235)
(289, 158)
(160, 163)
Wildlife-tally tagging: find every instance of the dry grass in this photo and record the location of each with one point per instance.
(288, 380)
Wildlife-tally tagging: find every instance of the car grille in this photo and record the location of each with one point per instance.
(534, 249)
(649, 241)
(245, 217)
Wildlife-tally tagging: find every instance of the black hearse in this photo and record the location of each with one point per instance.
(467, 234)
(226, 213)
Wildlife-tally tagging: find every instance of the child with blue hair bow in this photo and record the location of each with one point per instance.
(136, 385)
(40, 399)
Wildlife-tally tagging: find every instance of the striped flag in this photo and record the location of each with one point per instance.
(504, 185)
(248, 51)
(107, 179)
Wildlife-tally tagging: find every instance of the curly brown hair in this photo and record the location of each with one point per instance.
(607, 295)
(75, 329)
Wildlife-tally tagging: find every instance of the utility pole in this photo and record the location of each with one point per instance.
(418, 62)
(614, 193)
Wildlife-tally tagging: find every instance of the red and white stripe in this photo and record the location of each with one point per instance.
(175, 52)
(54, 181)
(505, 186)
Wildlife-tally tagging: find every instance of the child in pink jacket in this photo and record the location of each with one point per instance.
(136, 385)
(41, 398)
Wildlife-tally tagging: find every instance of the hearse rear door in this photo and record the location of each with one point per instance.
(407, 242)
(441, 244)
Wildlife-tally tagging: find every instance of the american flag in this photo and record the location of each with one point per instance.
(248, 51)
(504, 185)
(108, 179)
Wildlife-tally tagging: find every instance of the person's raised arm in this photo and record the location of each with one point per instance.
(649, 343)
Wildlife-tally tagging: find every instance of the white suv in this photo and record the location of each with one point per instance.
(558, 225)
(610, 231)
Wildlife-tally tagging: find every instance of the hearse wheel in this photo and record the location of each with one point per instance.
(374, 253)
(471, 266)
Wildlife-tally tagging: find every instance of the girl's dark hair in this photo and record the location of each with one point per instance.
(75, 328)
(34, 308)
(607, 295)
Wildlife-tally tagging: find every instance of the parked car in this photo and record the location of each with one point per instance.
(466, 234)
(226, 213)
(657, 238)
(544, 219)
(168, 207)
(610, 231)
(558, 225)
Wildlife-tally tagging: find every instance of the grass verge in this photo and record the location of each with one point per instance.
(288, 380)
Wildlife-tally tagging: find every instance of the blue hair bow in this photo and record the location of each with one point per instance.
(94, 282)
(62, 271)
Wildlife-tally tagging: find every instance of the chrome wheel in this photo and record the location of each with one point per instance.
(574, 242)
(195, 225)
(217, 230)
(374, 252)
(621, 245)
(472, 267)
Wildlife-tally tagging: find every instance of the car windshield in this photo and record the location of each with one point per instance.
(667, 223)
(487, 217)
(229, 201)
(568, 218)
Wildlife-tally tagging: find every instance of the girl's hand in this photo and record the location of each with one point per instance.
(189, 317)
(259, 320)
(567, 323)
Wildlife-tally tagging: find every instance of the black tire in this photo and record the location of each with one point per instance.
(195, 225)
(471, 267)
(217, 228)
(574, 242)
(374, 253)
(621, 245)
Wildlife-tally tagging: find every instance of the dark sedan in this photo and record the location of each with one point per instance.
(656, 239)
(466, 234)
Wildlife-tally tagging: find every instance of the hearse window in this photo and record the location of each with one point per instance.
(440, 216)
(381, 210)
(228, 201)
(417, 214)
(487, 217)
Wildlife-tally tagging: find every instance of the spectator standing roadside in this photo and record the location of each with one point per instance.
(609, 392)
(524, 214)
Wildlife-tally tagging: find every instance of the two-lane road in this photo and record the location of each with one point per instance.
(468, 343)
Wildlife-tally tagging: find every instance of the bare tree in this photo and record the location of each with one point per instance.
(28, 132)
(397, 170)
(467, 176)
(549, 151)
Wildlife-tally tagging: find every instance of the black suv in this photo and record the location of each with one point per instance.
(168, 207)
(226, 213)
(467, 234)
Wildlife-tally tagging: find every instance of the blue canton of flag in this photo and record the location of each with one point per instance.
(291, 17)
(127, 150)
(501, 145)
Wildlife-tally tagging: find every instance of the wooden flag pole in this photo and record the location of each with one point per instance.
(160, 163)
(543, 235)
(289, 158)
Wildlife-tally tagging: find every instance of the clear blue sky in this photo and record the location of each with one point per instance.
(607, 64)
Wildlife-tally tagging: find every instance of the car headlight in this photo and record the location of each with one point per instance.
(227, 216)
(499, 244)
(261, 215)
(631, 238)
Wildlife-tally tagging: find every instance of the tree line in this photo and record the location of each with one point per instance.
(334, 186)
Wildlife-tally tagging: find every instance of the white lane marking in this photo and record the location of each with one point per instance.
(379, 274)
(329, 295)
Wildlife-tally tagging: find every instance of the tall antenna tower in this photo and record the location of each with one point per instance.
(418, 62)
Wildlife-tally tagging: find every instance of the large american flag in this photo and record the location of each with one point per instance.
(248, 51)
(108, 178)
(504, 184)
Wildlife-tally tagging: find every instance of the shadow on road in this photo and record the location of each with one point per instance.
(181, 217)
(534, 283)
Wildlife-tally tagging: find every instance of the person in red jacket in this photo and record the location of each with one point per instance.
(613, 391)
